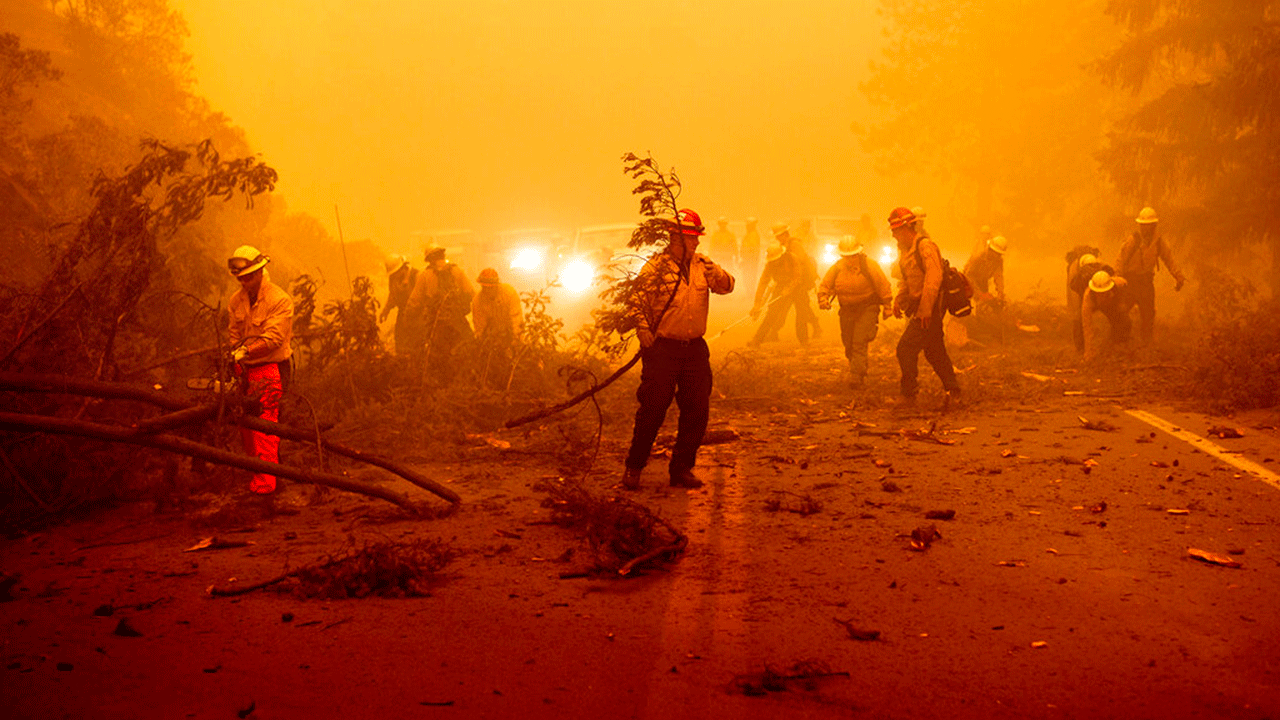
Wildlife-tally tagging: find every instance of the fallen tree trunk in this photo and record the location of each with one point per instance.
(183, 446)
(185, 412)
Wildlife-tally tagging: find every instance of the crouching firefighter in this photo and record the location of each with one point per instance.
(260, 333)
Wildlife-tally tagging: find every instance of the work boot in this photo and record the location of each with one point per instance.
(952, 400)
(631, 479)
(685, 479)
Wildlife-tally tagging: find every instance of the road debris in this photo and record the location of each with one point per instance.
(857, 633)
(922, 537)
(1036, 376)
(1099, 425)
(940, 515)
(213, 543)
(1213, 558)
(1224, 432)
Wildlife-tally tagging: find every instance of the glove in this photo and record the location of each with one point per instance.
(237, 355)
(1177, 286)
(755, 313)
(824, 306)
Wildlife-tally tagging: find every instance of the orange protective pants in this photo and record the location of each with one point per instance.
(263, 382)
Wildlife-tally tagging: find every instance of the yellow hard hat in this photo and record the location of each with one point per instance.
(780, 228)
(1101, 282)
(1087, 259)
(998, 244)
(774, 251)
(1147, 216)
(848, 246)
(245, 260)
(395, 262)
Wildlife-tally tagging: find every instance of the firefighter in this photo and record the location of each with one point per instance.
(1110, 297)
(400, 281)
(495, 310)
(260, 332)
(671, 314)
(1140, 258)
(806, 280)
(862, 290)
(775, 293)
(440, 303)
(723, 245)
(1080, 272)
(919, 300)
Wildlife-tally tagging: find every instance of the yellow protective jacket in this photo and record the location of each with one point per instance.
(266, 326)
(496, 309)
(921, 266)
(847, 282)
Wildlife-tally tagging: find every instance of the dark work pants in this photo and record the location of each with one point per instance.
(858, 327)
(916, 339)
(1142, 289)
(680, 370)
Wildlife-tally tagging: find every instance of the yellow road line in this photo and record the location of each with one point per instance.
(1208, 447)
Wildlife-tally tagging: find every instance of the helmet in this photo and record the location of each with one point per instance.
(433, 252)
(998, 244)
(900, 217)
(488, 276)
(774, 251)
(245, 260)
(780, 228)
(985, 229)
(918, 212)
(1101, 282)
(1087, 259)
(848, 246)
(689, 223)
(395, 262)
(752, 221)
(723, 220)
(1147, 216)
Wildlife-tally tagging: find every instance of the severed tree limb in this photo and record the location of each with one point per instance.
(287, 433)
(183, 446)
(215, 591)
(184, 412)
(538, 415)
(176, 419)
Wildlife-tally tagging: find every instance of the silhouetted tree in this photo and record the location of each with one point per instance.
(1205, 143)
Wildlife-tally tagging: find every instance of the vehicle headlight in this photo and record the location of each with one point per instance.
(830, 254)
(577, 275)
(530, 258)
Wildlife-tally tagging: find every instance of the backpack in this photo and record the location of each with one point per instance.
(956, 290)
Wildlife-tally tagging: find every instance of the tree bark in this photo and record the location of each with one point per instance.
(62, 426)
(186, 412)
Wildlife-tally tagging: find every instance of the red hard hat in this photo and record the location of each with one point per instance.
(690, 223)
(488, 276)
(901, 216)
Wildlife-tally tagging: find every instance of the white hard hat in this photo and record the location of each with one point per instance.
(751, 221)
(774, 251)
(245, 260)
(1087, 259)
(918, 212)
(1147, 216)
(848, 246)
(723, 220)
(1101, 282)
(432, 252)
(998, 244)
(780, 228)
(395, 262)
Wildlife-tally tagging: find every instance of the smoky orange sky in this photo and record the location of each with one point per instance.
(419, 115)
